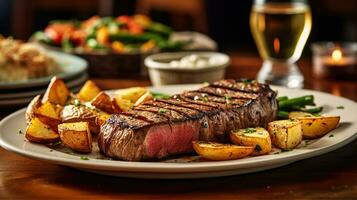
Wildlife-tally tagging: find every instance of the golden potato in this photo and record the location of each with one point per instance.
(88, 91)
(80, 113)
(131, 94)
(105, 103)
(145, 97)
(102, 118)
(315, 127)
(123, 104)
(49, 110)
(297, 114)
(258, 138)
(76, 136)
(57, 92)
(218, 151)
(39, 132)
(32, 107)
(285, 134)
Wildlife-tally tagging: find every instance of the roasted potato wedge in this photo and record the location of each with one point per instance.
(285, 134)
(218, 151)
(132, 94)
(105, 103)
(145, 97)
(258, 138)
(315, 127)
(102, 118)
(49, 110)
(123, 104)
(80, 113)
(32, 107)
(76, 136)
(57, 92)
(297, 114)
(88, 91)
(49, 114)
(39, 132)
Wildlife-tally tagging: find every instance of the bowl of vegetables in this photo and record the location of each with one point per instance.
(113, 46)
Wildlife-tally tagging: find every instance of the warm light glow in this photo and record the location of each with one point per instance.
(336, 55)
(276, 45)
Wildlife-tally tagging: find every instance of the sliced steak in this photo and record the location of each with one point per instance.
(160, 128)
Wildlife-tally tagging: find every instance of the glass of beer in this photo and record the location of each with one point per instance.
(280, 29)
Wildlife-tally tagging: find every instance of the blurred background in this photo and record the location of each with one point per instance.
(227, 23)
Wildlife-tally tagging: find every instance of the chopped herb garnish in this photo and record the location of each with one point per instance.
(227, 97)
(162, 110)
(247, 81)
(331, 135)
(84, 158)
(277, 152)
(20, 131)
(340, 107)
(307, 142)
(57, 143)
(258, 148)
(76, 102)
(249, 130)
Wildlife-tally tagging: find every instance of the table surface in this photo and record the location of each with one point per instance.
(329, 176)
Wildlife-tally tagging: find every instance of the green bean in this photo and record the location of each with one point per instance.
(282, 98)
(283, 114)
(298, 101)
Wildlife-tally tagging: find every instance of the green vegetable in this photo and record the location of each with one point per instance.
(298, 101)
(249, 130)
(283, 98)
(84, 158)
(157, 95)
(159, 28)
(283, 114)
(92, 43)
(162, 110)
(67, 45)
(340, 107)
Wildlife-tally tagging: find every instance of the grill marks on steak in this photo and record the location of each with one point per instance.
(157, 129)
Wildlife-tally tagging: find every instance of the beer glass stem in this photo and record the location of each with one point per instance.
(281, 73)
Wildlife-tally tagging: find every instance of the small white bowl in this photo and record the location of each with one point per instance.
(162, 73)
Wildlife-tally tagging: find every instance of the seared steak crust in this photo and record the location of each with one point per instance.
(164, 127)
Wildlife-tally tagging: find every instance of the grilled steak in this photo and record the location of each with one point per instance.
(164, 127)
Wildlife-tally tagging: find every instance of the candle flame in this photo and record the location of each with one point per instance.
(276, 45)
(336, 55)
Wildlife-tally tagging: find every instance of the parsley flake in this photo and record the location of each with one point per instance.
(20, 131)
(340, 107)
(162, 110)
(249, 130)
(331, 135)
(84, 158)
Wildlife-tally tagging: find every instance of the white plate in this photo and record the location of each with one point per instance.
(70, 65)
(11, 140)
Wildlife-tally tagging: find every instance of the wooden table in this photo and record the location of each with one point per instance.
(330, 176)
